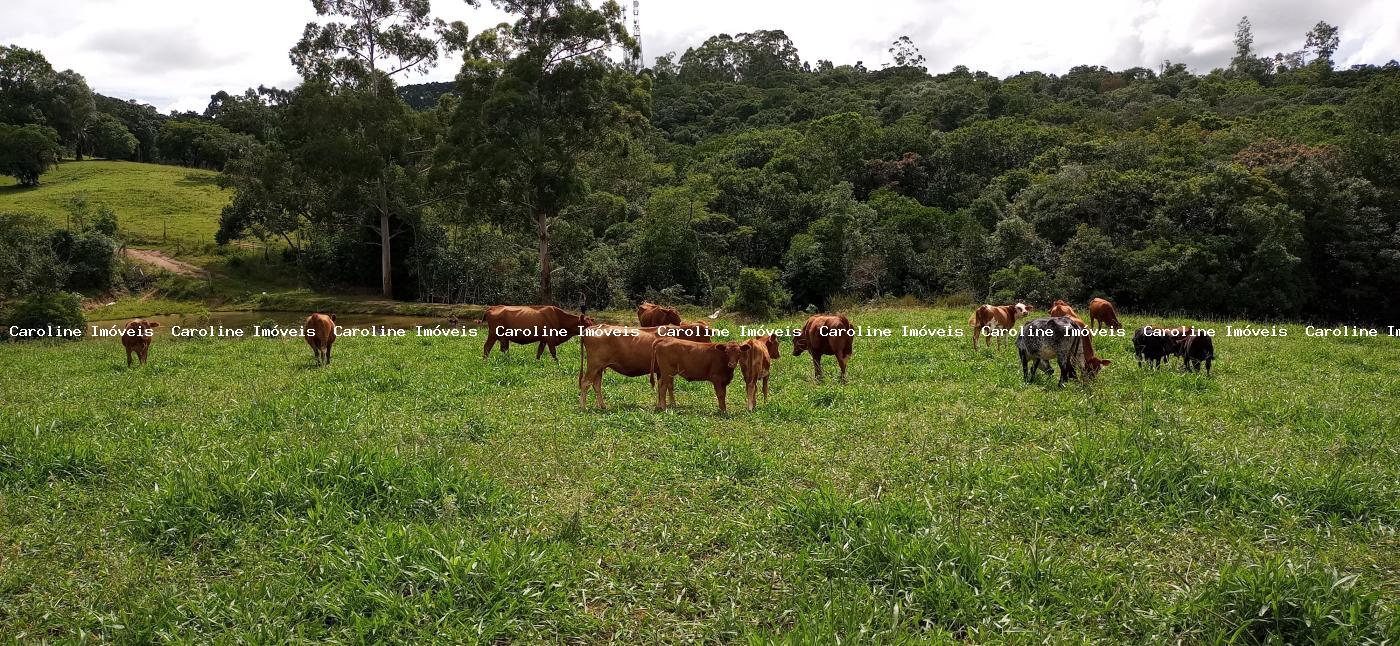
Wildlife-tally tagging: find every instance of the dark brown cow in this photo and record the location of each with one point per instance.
(1101, 311)
(546, 325)
(988, 319)
(652, 315)
(137, 339)
(320, 334)
(696, 361)
(624, 349)
(825, 334)
(755, 362)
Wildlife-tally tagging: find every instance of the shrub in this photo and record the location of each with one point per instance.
(27, 260)
(756, 294)
(91, 258)
(45, 309)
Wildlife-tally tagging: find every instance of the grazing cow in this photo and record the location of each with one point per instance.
(1060, 338)
(652, 315)
(547, 325)
(626, 350)
(1156, 345)
(755, 361)
(696, 361)
(1101, 311)
(1197, 348)
(824, 334)
(137, 339)
(320, 334)
(996, 317)
(1061, 308)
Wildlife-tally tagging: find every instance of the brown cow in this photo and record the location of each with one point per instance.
(137, 338)
(824, 334)
(996, 317)
(756, 361)
(625, 349)
(1101, 311)
(546, 325)
(696, 361)
(652, 315)
(1061, 308)
(320, 334)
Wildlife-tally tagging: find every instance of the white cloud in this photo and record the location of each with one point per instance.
(175, 53)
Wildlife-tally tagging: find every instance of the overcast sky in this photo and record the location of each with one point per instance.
(173, 54)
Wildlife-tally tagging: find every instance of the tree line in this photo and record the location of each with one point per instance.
(738, 174)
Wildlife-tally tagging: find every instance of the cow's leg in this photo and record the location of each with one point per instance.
(765, 390)
(1208, 360)
(841, 359)
(585, 379)
(143, 354)
(490, 341)
(661, 384)
(751, 389)
(1025, 374)
(128, 357)
(539, 352)
(328, 354)
(817, 364)
(552, 354)
(720, 392)
(976, 332)
(598, 390)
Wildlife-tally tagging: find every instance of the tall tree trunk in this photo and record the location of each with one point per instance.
(386, 267)
(546, 296)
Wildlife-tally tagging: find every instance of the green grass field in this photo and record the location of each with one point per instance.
(154, 203)
(232, 491)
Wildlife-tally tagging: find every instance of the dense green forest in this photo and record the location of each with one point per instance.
(738, 174)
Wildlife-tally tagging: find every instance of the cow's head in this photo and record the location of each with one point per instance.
(799, 343)
(1022, 309)
(770, 343)
(1093, 365)
(732, 353)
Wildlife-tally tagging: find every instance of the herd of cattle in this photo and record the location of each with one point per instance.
(663, 346)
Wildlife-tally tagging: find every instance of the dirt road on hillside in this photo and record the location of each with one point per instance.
(158, 259)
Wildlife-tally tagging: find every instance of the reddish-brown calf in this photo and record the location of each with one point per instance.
(137, 339)
(695, 361)
(320, 334)
(825, 334)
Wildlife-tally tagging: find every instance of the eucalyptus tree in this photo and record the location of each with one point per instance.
(536, 96)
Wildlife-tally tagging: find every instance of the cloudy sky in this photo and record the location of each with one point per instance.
(173, 54)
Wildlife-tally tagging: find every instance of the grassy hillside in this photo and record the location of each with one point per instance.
(232, 491)
(150, 199)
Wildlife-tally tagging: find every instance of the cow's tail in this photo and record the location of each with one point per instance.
(582, 348)
(655, 372)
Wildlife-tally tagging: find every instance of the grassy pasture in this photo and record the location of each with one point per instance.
(151, 200)
(233, 491)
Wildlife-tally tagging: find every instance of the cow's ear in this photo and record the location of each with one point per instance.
(745, 348)
(152, 324)
(1105, 362)
(332, 318)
